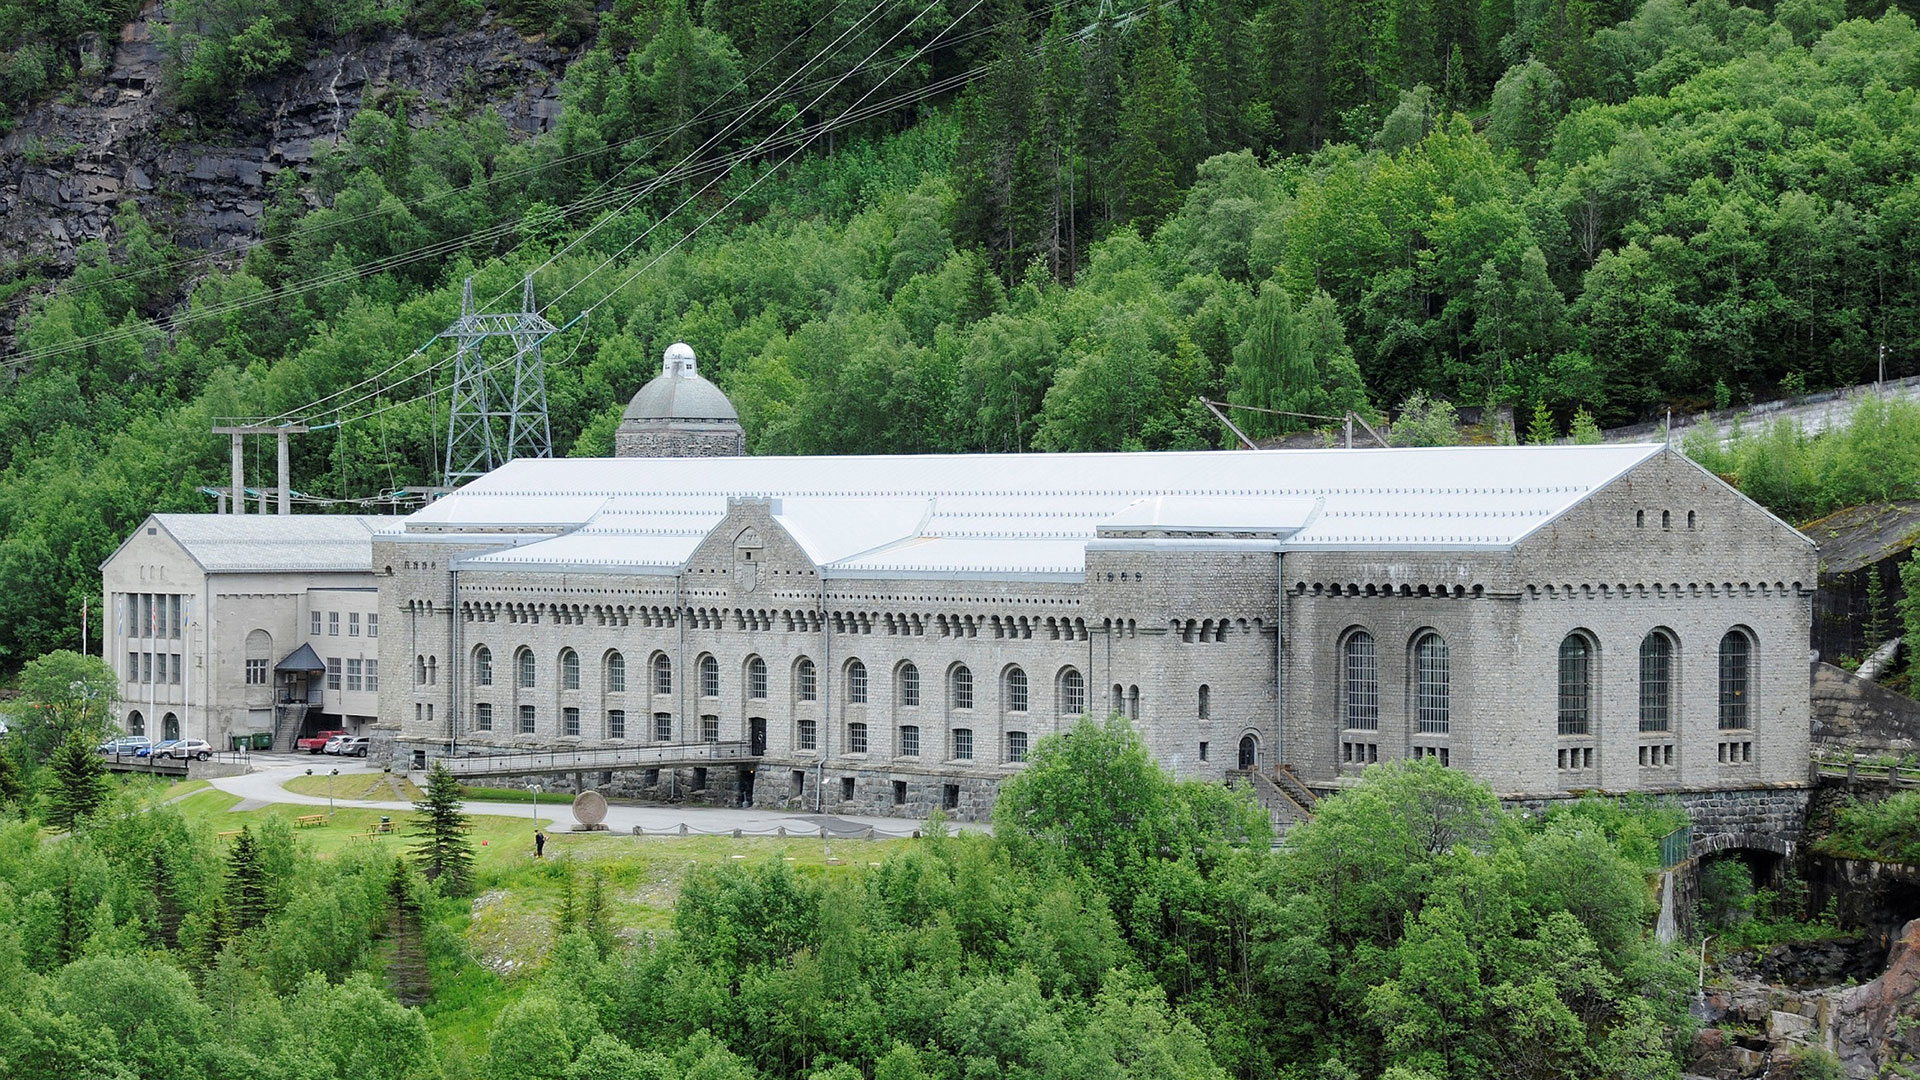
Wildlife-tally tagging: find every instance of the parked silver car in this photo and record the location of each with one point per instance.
(187, 748)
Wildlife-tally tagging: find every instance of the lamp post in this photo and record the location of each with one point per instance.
(533, 797)
(330, 776)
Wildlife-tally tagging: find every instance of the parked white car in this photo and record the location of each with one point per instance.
(188, 748)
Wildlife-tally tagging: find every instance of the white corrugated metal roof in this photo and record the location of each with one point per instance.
(230, 543)
(1027, 513)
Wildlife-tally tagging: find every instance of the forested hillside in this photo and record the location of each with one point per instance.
(986, 226)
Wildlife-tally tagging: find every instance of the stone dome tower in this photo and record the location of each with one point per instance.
(680, 414)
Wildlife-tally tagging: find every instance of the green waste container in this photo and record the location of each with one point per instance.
(239, 742)
(263, 740)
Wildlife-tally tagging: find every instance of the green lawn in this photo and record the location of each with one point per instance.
(378, 787)
(508, 925)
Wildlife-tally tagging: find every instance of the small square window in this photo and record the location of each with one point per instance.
(333, 624)
(1016, 746)
(616, 723)
(662, 727)
(526, 719)
(353, 624)
(1347, 746)
(571, 718)
(909, 740)
(482, 716)
(710, 729)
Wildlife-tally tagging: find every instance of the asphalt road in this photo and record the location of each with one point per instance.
(265, 784)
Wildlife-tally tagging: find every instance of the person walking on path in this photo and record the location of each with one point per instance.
(539, 844)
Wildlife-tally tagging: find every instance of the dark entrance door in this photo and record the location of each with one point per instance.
(1247, 751)
(171, 725)
(757, 736)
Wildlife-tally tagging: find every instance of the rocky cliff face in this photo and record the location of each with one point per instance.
(71, 162)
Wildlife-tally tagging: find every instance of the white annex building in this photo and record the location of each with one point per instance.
(224, 624)
(890, 634)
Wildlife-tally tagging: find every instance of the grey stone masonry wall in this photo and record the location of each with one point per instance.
(716, 440)
(1851, 712)
(1764, 819)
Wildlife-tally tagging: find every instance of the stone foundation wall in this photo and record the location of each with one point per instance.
(1850, 711)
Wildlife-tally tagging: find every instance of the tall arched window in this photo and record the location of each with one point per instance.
(1576, 685)
(1656, 682)
(1360, 665)
(756, 678)
(662, 674)
(1432, 685)
(1205, 704)
(569, 669)
(709, 676)
(616, 673)
(909, 687)
(960, 687)
(527, 669)
(807, 679)
(483, 666)
(1133, 703)
(1073, 693)
(856, 683)
(1736, 661)
(1016, 690)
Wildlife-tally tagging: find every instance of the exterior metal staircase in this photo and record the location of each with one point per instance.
(1286, 800)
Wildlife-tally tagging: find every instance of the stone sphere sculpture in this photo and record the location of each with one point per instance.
(590, 809)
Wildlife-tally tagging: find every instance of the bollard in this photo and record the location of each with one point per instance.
(869, 832)
(823, 832)
(638, 831)
(683, 828)
(782, 832)
(736, 834)
(916, 834)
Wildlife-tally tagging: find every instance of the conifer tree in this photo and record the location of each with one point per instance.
(1155, 123)
(594, 912)
(407, 973)
(12, 791)
(1540, 429)
(246, 889)
(79, 782)
(444, 853)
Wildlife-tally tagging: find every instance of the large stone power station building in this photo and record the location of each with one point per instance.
(892, 634)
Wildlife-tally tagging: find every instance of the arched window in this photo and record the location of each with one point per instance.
(420, 669)
(569, 669)
(960, 687)
(1016, 690)
(433, 671)
(1576, 685)
(1133, 703)
(616, 673)
(709, 676)
(1432, 685)
(756, 678)
(259, 656)
(1073, 693)
(1206, 701)
(1656, 682)
(807, 679)
(483, 666)
(909, 687)
(136, 724)
(1360, 665)
(857, 684)
(662, 674)
(527, 672)
(1119, 699)
(1736, 660)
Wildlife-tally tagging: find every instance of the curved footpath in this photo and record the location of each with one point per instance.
(266, 784)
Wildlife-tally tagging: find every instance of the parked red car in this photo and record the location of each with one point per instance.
(318, 741)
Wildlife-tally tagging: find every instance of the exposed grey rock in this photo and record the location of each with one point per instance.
(66, 168)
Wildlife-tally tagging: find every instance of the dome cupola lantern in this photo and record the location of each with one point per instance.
(680, 414)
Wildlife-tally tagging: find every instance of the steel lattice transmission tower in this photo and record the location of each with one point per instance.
(488, 423)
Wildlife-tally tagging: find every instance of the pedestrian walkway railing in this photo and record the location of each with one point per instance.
(1676, 847)
(488, 761)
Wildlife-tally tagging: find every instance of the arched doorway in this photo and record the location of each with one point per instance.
(170, 726)
(136, 724)
(1249, 751)
(757, 736)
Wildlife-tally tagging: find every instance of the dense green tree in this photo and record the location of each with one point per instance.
(444, 854)
(77, 781)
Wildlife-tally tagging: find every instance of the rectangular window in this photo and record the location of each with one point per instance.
(709, 678)
(174, 616)
(256, 673)
(1203, 750)
(373, 624)
(173, 669)
(133, 667)
(910, 685)
(146, 667)
(857, 684)
(709, 729)
(950, 796)
(962, 744)
(616, 674)
(526, 720)
(353, 675)
(333, 673)
(809, 686)
(1017, 746)
(846, 789)
(809, 735)
(662, 727)
(616, 723)
(316, 624)
(899, 793)
(856, 738)
(373, 676)
(146, 615)
(571, 717)
(353, 624)
(909, 740)
(333, 624)
(483, 716)
(757, 679)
